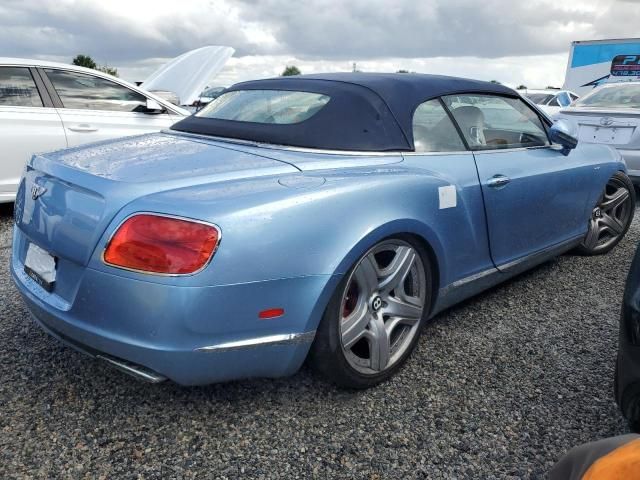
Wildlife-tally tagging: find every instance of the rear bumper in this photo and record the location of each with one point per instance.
(632, 159)
(190, 335)
(138, 371)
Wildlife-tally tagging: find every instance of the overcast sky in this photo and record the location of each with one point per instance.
(513, 41)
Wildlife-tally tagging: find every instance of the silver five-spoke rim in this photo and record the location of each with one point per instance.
(382, 306)
(610, 217)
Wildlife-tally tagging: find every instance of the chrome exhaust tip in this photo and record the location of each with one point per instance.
(137, 371)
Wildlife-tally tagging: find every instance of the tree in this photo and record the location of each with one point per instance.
(88, 62)
(496, 81)
(402, 71)
(521, 87)
(110, 70)
(290, 70)
(84, 61)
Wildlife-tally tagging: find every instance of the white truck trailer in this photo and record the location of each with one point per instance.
(594, 62)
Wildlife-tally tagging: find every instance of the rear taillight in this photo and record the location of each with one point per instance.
(159, 244)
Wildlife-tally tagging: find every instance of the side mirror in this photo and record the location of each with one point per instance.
(564, 133)
(153, 106)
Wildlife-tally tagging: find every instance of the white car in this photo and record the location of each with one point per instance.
(49, 106)
(549, 100)
(610, 114)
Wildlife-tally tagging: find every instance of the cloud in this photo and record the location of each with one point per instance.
(534, 71)
(367, 29)
(497, 38)
(115, 31)
(329, 29)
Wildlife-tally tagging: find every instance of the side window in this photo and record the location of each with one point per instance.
(433, 130)
(82, 91)
(17, 88)
(490, 121)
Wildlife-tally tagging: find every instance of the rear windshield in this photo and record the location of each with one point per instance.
(612, 96)
(540, 98)
(265, 106)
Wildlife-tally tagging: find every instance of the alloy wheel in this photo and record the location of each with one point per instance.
(610, 217)
(382, 306)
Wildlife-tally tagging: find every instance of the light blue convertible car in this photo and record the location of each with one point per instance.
(322, 217)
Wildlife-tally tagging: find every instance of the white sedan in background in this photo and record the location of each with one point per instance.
(610, 114)
(48, 106)
(549, 100)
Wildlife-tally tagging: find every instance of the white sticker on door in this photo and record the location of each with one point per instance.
(447, 196)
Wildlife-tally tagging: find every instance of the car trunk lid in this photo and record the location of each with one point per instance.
(68, 198)
(617, 128)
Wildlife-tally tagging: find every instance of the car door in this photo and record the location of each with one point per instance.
(28, 124)
(452, 193)
(94, 108)
(534, 195)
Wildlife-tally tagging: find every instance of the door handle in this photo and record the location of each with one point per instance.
(83, 128)
(498, 181)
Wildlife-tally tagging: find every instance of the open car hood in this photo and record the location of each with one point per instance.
(188, 75)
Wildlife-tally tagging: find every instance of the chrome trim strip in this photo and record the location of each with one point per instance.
(395, 153)
(541, 255)
(472, 278)
(268, 340)
(166, 215)
(130, 369)
(427, 154)
(467, 287)
(273, 146)
(517, 149)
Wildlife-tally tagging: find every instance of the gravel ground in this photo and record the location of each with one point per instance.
(499, 387)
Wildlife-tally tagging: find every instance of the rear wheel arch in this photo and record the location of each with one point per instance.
(433, 264)
(325, 352)
(415, 230)
(407, 229)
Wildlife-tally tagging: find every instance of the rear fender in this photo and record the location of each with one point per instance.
(270, 231)
(395, 228)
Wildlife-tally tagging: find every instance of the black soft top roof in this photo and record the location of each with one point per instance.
(367, 111)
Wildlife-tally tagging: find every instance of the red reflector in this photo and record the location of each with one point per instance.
(157, 244)
(271, 313)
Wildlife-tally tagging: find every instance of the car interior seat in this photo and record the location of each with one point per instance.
(422, 139)
(443, 135)
(471, 121)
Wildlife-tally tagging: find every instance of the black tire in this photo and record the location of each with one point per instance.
(327, 356)
(600, 240)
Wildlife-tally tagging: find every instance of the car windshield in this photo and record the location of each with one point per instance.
(613, 96)
(265, 106)
(540, 98)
